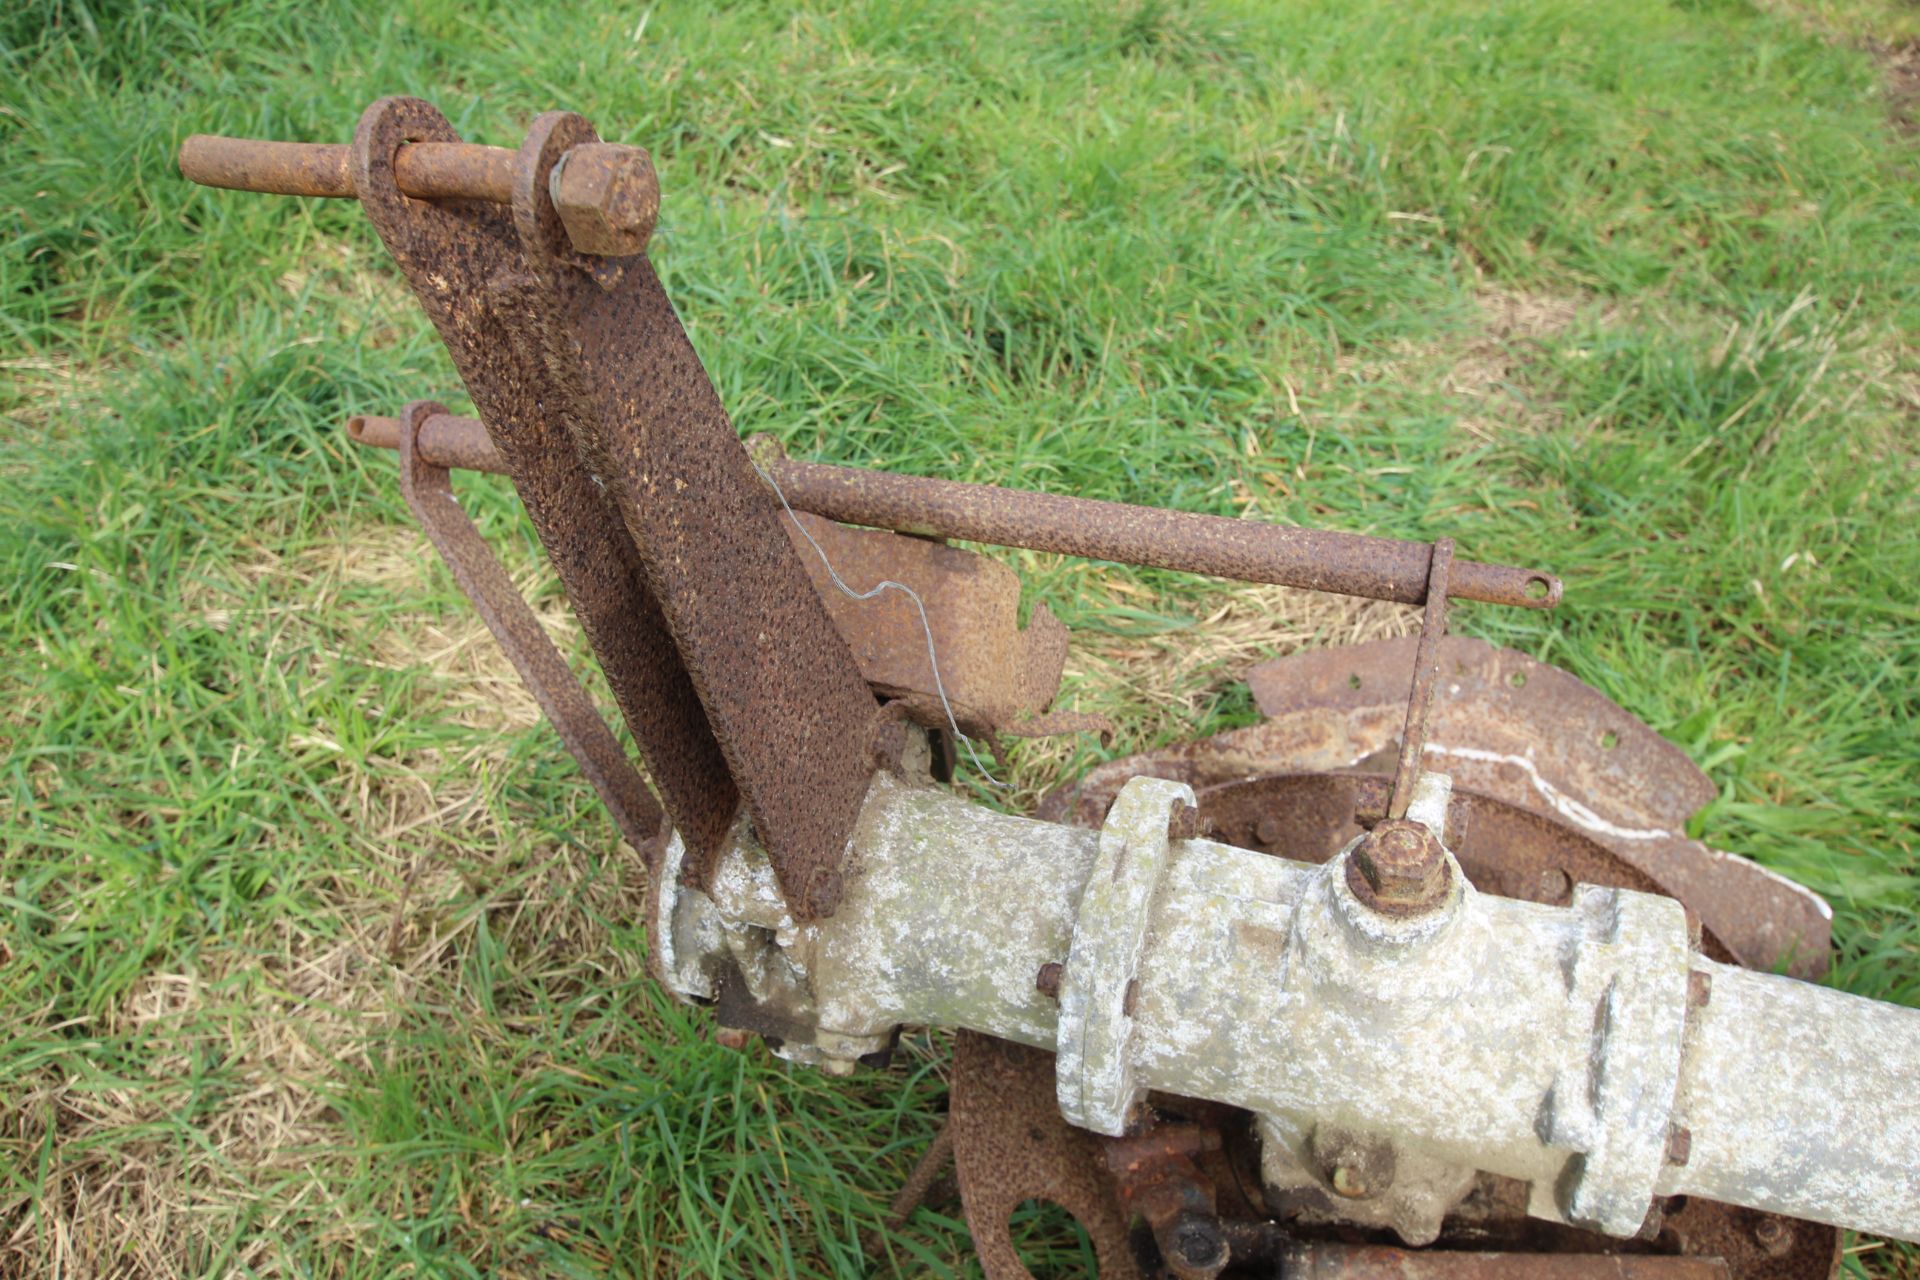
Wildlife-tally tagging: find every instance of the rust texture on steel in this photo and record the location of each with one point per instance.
(1534, 736)
(462, 258)
(1328, 1261)
(1156, 1177)
(1399, 869)
(429, 494)
(1010, 1145)
(1216, 545)
(459, 444)
(1426, 670)
(1246, 550)
(781, 689)
(995, 674)
(607, 194)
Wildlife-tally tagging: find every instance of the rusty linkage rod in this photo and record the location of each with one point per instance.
(1217, 546)
(423, 170)
(607, 195)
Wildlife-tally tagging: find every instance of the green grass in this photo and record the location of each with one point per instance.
(313, 958)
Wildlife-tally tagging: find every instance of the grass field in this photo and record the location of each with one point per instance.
(318, 958)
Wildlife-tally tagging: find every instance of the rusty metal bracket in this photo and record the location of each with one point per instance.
(429, 494)
(1426, 670)
(1011, 1145)
(782, 693)
(457, 254)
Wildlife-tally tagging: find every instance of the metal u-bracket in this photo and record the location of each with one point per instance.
(428, 490)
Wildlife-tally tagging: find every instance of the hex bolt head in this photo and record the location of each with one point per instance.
(1196, 1248)
(1399, 867)
(608, 197)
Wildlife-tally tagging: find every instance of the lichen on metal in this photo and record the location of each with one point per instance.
(1541, 1043)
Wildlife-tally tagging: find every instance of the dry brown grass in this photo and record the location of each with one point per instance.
(284, 1009)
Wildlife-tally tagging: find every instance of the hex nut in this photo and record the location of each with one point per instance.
(608, 198)
(1399, 867)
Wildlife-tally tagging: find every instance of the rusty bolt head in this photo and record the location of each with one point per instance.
(1774, 1236)
(608, 197)
(1047, 981)
(1679, 1145)
(1183, 823)
(1403, 867)
(734, 1038)
(823, 890)
(1194, 1247)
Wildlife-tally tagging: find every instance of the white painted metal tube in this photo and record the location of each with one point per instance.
(1556, 1045)
(1802, 1100)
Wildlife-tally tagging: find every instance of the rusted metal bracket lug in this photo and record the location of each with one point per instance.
(1010, 1145)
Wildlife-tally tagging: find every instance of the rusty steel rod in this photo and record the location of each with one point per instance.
(1328, 1261)
(1351, 564)
(424, 170)
(1426, 672)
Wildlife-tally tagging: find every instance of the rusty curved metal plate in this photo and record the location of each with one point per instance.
(994, 673)
(1534, 736)
(1010, 1145)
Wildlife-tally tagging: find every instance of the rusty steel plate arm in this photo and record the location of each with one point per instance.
(455, 254)
(781, 689)
(726, 664)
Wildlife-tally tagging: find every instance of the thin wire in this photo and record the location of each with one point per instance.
(926, 628)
